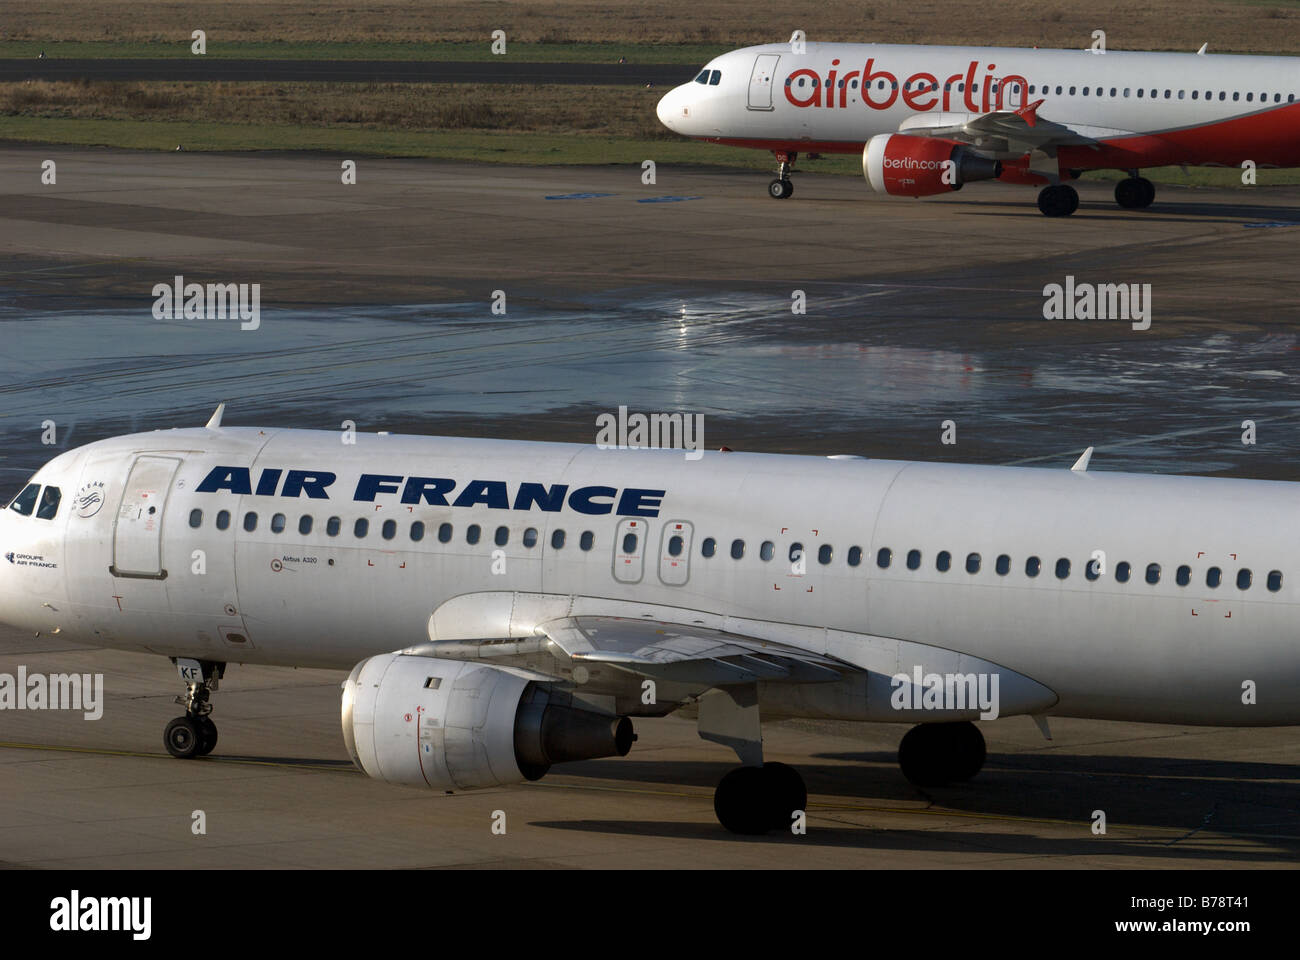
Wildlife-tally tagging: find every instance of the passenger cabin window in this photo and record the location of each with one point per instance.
(1183, 575)
(884, 556)
(472, 533)
(796, 552)
(417, 530)
(1033, 566)
(629, 543)
(1123, 570)
(737, 549)
(1062, 568)
(913, 559)
(223, 519)
(332, 526)
(530, 538)
(1092, 569)
(277, 523)
(361, 527)
(1274, 581)
(196, 518)
(1003, 565)
(824, 554)
(972, 563)
(855, 556)
(25, 502)
(765, 551)
(1153, 573)
(675, 544)
(1213, 577)
(49, 504)
(587, 540)
(709, 547)
(557, 539)
(304, 524)
(444, 533)
(250, 521)
(1243, 579)
(502, 537)
(943, 561)
(389, 529)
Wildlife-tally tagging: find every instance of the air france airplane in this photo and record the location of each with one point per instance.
(504, 606)
(929, 119)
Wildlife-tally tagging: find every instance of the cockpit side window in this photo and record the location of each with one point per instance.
(703, 77)
(25, 502)
(715, 78)
(49, 503)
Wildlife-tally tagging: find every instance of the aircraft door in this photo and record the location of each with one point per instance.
(675, 553)
(760, 81)
(137, 532)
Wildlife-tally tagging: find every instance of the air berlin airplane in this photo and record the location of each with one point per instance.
(929, 119)
(504, 606)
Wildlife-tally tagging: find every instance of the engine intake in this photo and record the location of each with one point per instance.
(451, 725)
(910, 166)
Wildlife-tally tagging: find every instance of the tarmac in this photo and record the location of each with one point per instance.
(376, 302)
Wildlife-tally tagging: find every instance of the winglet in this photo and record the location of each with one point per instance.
(1081, 464)
(214, 421)
(1029, 113)
(1201, 52)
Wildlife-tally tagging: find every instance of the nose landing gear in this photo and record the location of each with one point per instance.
(782, 188)
(194, 735)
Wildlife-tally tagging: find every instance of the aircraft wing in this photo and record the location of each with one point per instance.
(686, 654)
(1013, 132)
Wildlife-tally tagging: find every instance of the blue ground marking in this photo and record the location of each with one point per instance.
(1275, 223)
(667, 199)
(578, 196)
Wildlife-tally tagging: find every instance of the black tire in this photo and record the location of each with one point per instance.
(1149, 189)
(1129, 193)
(1058, 200)
(183, 738)
(786, 793)
(742, 803)
(934, 754)
(208, 735)
(780, 189)
(968, 750)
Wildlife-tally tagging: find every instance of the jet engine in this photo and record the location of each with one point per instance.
(451, 725)
(909, 166)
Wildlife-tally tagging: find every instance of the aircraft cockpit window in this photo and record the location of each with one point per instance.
(50, 498)
(25, 502)
(703, 77)
(715, 78)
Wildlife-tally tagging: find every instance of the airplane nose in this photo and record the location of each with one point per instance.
(670, 107)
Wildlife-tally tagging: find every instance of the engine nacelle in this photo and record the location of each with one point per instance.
(451, 725)
(908, 166)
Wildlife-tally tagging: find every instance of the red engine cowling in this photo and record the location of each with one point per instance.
(908, 166)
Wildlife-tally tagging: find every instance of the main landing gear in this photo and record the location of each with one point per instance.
(782, 188)
(933, 754)
(1058, 200)
(194, 735)
(1135, 193)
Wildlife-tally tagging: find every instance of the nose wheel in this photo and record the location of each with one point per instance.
(194, 735)
(782, 188)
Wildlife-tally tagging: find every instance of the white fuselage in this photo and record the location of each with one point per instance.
(1165, 107)
(135, 557)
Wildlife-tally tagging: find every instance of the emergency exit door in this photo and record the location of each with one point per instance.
(137, 533)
